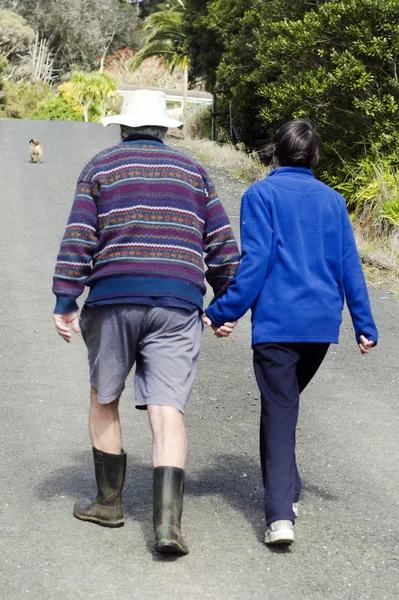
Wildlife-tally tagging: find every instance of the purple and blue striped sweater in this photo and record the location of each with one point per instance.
(143, 216)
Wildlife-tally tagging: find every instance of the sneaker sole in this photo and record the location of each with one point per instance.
(280, 537)
(98, 521)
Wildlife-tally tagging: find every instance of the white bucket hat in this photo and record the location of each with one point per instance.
(141, 108)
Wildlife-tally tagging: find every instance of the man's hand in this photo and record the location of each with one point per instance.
(365, 345)
(62, 323)
(223, 330)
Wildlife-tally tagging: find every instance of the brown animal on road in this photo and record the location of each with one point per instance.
(36, 150)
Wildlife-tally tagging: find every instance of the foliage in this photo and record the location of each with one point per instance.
(58, 108)
(390, 210)
(152, 72)
(197, 122)
(21, 99)
(146, 7)
(92, 92)
(370, 186)
(205, 27)
(332, 62)
(36, 64)
(3, 67)
(67, 92)
(80, 31)
(15, 34)
(164, 36)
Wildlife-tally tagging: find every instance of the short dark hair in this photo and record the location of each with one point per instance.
(297, 144)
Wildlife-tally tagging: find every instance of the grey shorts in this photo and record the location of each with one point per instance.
(163, 342)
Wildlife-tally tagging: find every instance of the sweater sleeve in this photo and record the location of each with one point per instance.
(78, 245)
(222, 255)
(356, 294)
(256, 246)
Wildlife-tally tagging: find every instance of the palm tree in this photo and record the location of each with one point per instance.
(93, 88)
(165, 38)
(106, 89)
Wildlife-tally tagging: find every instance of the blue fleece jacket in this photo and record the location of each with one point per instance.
(299, 263)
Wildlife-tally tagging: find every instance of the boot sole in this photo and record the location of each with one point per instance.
(97, 521)
(170, 547)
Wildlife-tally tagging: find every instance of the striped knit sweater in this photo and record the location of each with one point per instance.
(142, 218)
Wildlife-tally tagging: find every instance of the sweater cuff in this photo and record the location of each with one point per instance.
(65, 306)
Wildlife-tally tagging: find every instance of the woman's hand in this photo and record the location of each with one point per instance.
(365, 345)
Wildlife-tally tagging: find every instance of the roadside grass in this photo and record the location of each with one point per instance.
(246, 167)
(380, 258)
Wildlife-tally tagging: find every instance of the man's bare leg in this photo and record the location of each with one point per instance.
(169, 449)
(169, 442)
(104, 425)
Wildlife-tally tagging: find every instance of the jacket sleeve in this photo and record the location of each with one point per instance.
(256, 247)
(78, 245)
(222, 255)
(356, 294)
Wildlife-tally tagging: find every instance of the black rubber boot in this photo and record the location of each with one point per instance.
(106, 509)
(168, 507)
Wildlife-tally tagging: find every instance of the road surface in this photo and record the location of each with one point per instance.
(347, 533)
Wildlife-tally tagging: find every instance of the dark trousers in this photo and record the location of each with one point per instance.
(282, 371)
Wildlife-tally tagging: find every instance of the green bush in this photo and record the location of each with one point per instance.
(56, 107)
(21, 99)
(371, 189)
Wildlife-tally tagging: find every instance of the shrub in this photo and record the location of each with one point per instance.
(21, 99)
(197, 121)
(58, 108)
(371, 189)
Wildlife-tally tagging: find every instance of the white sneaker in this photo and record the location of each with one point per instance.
(295, 508)
(280, 532)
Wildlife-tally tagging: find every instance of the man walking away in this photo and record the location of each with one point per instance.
(142, 217)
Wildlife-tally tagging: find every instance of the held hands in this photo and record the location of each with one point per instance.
(62, 323)
(223, 330)
(365, 345)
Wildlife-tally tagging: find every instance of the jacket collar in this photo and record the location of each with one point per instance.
(291, 170)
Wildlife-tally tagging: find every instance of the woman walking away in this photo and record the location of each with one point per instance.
(299, 263)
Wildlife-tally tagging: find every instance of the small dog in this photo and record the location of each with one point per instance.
(36, 150)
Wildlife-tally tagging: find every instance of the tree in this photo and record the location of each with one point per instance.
(335, 63)
(93, 89)
(79, 32)
(165, 37)
(15, 34)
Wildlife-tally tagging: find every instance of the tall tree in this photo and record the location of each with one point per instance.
(165, 37)
(81, 32)
(15, 34)
(335, 63)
